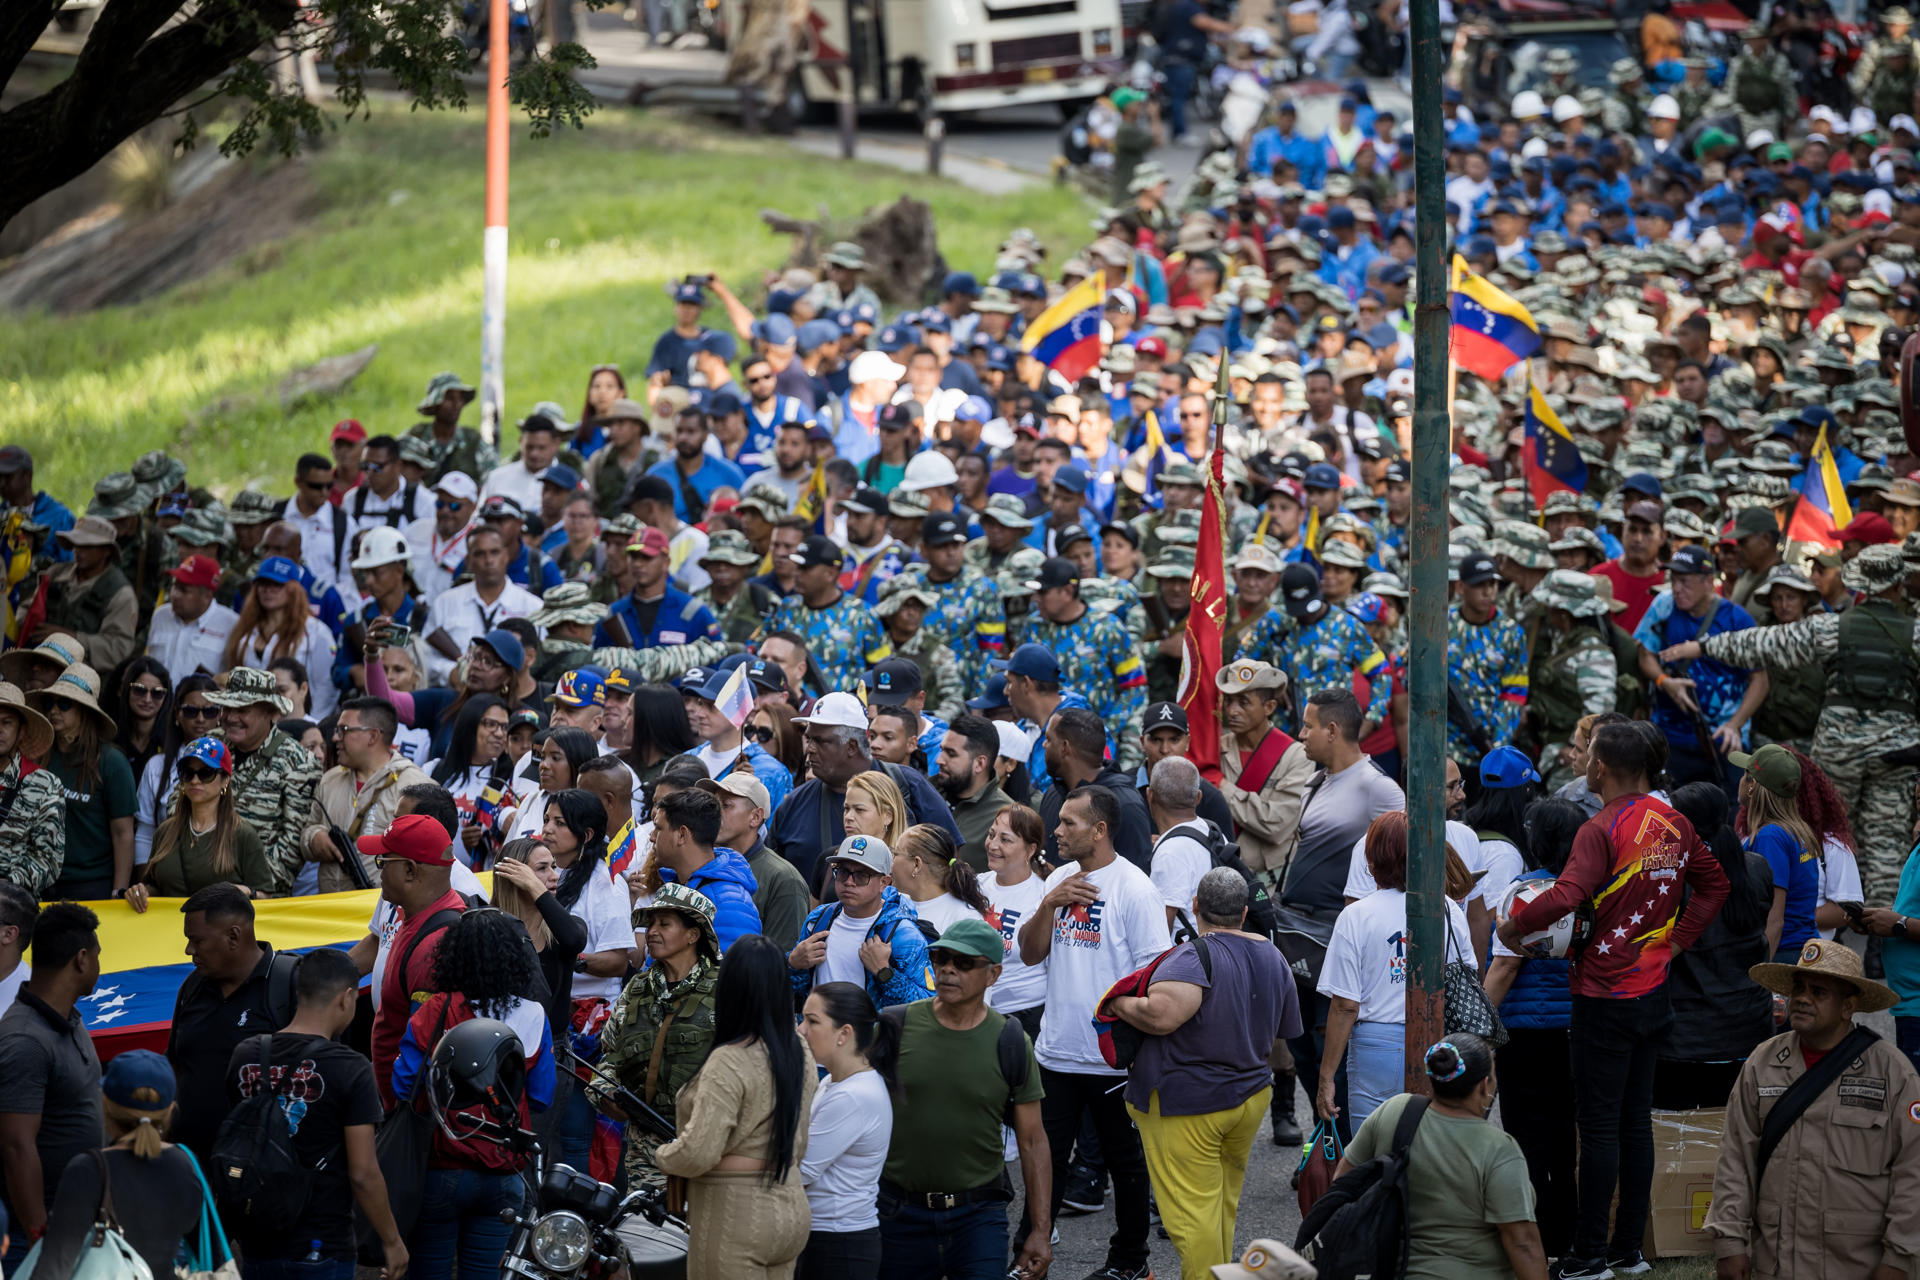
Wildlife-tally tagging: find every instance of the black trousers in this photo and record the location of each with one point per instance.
(1536, 1078)
(1616, 1048)
(1101, 1098)
(1688, 1086)
(1308, 1048)
(840, 1255)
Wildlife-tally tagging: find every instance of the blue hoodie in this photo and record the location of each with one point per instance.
(910, 976)
(728, 880)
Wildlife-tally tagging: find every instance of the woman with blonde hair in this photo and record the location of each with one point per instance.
(525, 877)
(1772, 826)
(873, 807)
(277, 622)
(202, 841)
(943, 889)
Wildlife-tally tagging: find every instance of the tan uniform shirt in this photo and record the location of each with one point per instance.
(1841, 1193)
(358, 810)
(1269, 819)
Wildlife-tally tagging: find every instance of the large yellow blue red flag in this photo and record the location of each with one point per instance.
(1551, 459)
(1066, 336)
(1491, 331)
(1823, 509)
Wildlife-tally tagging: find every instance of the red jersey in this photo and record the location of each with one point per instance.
(398, 990)
(1634, 592)
(1631, 861)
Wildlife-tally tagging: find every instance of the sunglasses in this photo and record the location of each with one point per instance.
(198, 773)
(153, 692)
(373, 468)
(765, 377)
(455, 505)
(940, 958)
(200, 713)
(760, 733)
(853, 875)
(314, 486)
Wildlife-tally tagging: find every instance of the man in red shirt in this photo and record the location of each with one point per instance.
(1630, 863)
(415, 860)
(1636, 576)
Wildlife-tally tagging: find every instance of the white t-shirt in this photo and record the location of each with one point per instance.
(602, 906)
(1021, 985)
(1839, 877)
(944, 912)
(387, 920)
(1367, 959)
(1180, 858)
(847, 1136)
(1094, 946)
(1502, 866)
(843, 950)
(717, 762)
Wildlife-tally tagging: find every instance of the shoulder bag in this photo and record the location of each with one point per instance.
(1468, 1009)
(207, 1255)
(1300, 932)
(107, 1256)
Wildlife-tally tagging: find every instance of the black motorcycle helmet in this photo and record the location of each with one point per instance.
(478, 1065)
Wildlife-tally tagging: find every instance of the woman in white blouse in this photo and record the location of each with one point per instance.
(277, 622)
(847, 1135)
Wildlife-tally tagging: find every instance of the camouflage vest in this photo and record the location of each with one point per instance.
(1630, 691)
(1891, 93)
(1874, 668)
(1553, 691)
(557, 657)
(1759, 90)
(642, 1010)
(84, 612)
(1794, 697)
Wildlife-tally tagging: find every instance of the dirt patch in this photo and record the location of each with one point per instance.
(108, 259)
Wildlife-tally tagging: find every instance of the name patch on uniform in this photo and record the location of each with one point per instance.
(1869, 1092)
(673, 637)
(1775, 1090)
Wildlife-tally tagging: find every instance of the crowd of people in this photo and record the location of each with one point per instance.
(813, 705)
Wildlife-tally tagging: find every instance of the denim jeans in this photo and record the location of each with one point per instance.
(460, 1220)
(1308, 1048)
(575, 1131)
(918, 1243)
(1615, 1046)
(297, 1269)
(1068, 1096)
(1181, 77)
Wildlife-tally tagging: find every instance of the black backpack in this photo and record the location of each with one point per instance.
(1226, 853)
(280, 994)
(1360, 1227)
(1010, 1049)
(254, 1168)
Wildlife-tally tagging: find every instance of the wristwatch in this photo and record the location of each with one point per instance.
(1900, 926)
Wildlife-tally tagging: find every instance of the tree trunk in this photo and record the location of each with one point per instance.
(904, 264)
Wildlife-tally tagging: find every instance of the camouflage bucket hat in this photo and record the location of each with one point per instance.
(416, 450)
(1022, 567)
(1174, 562)
(1570, 590)
(1563, 503)
(730, 546)
(1874, 570)
(203, 528)
(568, 602)
(1009, 510)
(250, 506)
(1681, 523)
(1785, 575)
(770, 500)
(892, 602)
(692, 905)
(1343, 554)
(437, 388)
(247, 687)
(1579, 538)
(1181, 473)
(116, 496)
(1525, 544)
(908, 503)
(1387, 584)
(157, 473)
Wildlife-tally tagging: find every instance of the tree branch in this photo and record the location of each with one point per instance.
(20, 25)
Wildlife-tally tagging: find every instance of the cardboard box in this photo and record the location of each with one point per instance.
(1686, 1146)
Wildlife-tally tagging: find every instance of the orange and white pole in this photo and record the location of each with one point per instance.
(493, 304)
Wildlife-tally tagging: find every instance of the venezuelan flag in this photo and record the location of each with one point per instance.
(1552, 460)
(1823, 508)
(1490, 330)
(1066, 336)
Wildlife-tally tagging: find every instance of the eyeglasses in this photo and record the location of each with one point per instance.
(382, 861)
(497, 726)
(148, 691)
(765, 377)
(373, 468)
(355, 728)
(760, 733)
(1458, 784)
(197, 773)
(853, 875)
(455, 505)
(60, 704)
(940, 958)
(199, 713)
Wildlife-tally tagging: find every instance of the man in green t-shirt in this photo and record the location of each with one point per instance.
(944, 1191)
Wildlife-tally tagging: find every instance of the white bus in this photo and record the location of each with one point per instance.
(957, 55)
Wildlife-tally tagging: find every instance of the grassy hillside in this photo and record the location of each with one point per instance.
(600, 219)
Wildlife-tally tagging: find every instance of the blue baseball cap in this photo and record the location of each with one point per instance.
(1000, 356)
(1035, 662)
(581, 687)
(690, 293)
(1505, 767)
(720, 344)
(561, 476)
(1071, 478)
(723, 402)
(776, 331)
(935, 322)
(993, 697)
(1817, 416)
(974, 409)
(211, 752)
(865, 313)
(1394, 273)
(1643, 482)
(139, 1080)
(894, 338)
(1366, 606)
(716, 681)
(1339, 217)
(277, 569)
(964, 283)
(506, 647)
(1322, 475)
(1031, 285)
(815, 334)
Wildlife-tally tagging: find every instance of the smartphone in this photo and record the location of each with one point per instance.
(395, 636)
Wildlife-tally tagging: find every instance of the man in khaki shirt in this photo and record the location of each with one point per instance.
(1840, 1195)
(1267, 808)
(360, 794)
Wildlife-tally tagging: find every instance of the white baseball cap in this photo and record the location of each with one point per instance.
(871, 365)
(841, 710)
(384, 546)
(458, 484)
(1014, 742)
(929, 469)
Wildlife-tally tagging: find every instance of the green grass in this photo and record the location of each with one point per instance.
(1700, 1268)
(599, 220)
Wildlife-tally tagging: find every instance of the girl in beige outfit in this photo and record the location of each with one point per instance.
(743, 1126)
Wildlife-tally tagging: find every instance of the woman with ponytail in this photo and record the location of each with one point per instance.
(847, 1134)
(927, 872)
(1470, 1207)
(155, 1188)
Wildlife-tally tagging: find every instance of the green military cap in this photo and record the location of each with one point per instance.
(1579, 538)
(1345, 522)
(730, 546)
(1876, 391)
(769, 500)
(1387, 584)
(116, 496)
(692, 905)
(1008, 509)
(439, 386)
(249, 686)
(1910, 551)
(1020, 568)
(1549, 242)
(1600, 417)
(157, 473)
(622, 529)
(909, 502)
(1682, 523)
(1874, 570)
(1831, 357)
(1172, 562)
(1177, 535)
(569, 602)
(203, 527)
(908, 592)
(1559, 61)
(1525, 544)
(1181, 473)
(250, 506)
(1344, 554)
(1564, 502)
(1873, 477)
(416, 450)
(1569, 589)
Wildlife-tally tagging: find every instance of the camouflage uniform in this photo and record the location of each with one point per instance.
(626, 1045)
(661, 663)
(273, 792)
(964, 615)
(33, 837)
(844, 638)
(1850, 740)
(1891, 90)
(1097, 658)
(1860, 79)
(1322, 654)
(939, 674)
(1763, 89)
(1488, 663)
(1573, 673)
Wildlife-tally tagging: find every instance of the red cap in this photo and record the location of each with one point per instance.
(196, 571)
(723, 503)
(651, 542)
(1151, 346)
(350, 429)
(415, 837)
(1293, 489)
(1870, 529)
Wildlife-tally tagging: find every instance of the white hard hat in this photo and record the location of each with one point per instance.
(1566, 107)
(1527, 104)
(1664, 107)
(929, 469)
(1551, 942)
(382, 545)
(1534, 147)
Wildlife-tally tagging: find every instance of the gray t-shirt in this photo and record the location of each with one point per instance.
(1337, 815)
(50, 1070)
(1217, 1059)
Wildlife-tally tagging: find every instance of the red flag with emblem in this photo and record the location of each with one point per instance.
(1206, 624)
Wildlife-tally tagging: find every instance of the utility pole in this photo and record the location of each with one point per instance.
(1427, 658)
(493, 302)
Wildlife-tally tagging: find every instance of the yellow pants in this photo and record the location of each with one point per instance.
(1198, 1164)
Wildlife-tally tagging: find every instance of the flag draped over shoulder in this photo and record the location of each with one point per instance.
(1066, 336)
(1491, 331)
(1206, 626)
(1552, 459)
(1823, 509)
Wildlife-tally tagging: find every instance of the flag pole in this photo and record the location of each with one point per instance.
(1427, 658)
(493, 303)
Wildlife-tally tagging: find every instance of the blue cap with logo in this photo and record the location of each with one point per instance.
(277, 569)
(581, 687)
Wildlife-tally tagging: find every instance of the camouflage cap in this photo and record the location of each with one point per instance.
(1020, 568)
(1174, 561)
(568, 602)
(157, 473)
(1681, 523)
(1564, 502)
(1008, 509)
(116, 496)
(416, 450)
(1387, 584)
(1874, 570)
(1830, 357)
(249, 686)
(1181, 473)
(909, 503)
(1579, 538)
(621, 529)
(769, 500)
(203, 527)
(1770, 489)
(1523, 543)
(1784, 575)
(1600, 416)
(908, 592)
(1910, 551)
(1109, 595)
(691, 905)
(1346, 522)
(1571, 590)
(1344, 554)
(730, 546)
(437, 388)
(1559, 61)
(1877, 392)
(250, 506)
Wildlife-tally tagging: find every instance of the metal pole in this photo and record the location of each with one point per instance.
(493, 304)
(1427, 658)
(936, 132)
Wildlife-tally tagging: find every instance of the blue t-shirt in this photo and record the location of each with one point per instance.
(1717, 687)
(1798, 871)
(1900, 956)
(714, 473)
